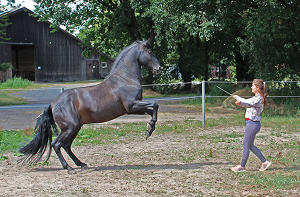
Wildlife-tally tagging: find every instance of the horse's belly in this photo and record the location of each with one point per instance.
(99, 116)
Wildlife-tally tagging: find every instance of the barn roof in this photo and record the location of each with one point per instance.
(24, 9)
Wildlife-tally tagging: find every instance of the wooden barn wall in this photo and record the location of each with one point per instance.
(56, 54)
(5, 53)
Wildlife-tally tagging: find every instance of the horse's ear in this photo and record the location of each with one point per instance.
(148, 43)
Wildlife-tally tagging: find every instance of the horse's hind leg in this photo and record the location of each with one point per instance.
(57, 144)
(67, 147)
(65, 140)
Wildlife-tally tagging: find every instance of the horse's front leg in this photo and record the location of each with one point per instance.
(143, 107)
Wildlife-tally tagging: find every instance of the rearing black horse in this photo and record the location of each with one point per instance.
(120, 93)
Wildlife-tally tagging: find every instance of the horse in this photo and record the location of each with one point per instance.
(118, 94)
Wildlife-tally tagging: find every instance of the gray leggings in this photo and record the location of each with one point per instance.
(251, 129)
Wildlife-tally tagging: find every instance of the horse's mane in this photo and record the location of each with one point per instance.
(121, 56)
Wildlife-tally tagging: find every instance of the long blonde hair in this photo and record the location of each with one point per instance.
(262, 88)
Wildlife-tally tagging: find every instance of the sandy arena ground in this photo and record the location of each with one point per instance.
(164, 165)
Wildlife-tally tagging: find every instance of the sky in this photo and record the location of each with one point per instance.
(25, 3)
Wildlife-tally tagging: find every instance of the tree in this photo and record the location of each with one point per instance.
(259, 38)
(185, 28)
(4, 22)
(273, 39)
(106, 26)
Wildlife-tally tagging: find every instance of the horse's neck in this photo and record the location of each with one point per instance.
(128, 70)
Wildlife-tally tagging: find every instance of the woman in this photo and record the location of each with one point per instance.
(255, 106)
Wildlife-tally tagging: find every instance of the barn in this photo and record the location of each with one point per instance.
(42, 56)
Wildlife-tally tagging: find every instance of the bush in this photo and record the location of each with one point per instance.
(16, 82)
(288, 107)
(5, 66)
(173, 87)
(169, 75)
(275, 106)
(213, 90)
(286, 89)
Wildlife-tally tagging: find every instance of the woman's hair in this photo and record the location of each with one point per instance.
(262, 88)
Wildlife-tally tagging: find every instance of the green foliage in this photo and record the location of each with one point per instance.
(271, 39)
(5, 66)
(3, 157)
(170, 87)
(16, 82)
(213, 90)
(255, 37)
(169, 75)
(287, 107)
(4, 22)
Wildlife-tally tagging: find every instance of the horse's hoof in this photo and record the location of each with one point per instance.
(148, 134)
(149, 127)
(84, 166)
(71, 170)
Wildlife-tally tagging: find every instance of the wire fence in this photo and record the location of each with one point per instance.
(201, 90)
(207, 89)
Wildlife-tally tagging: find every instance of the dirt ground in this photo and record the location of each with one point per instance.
(164, 165)
(134, 168)
(140, 168)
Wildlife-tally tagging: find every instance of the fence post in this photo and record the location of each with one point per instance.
(203, 104)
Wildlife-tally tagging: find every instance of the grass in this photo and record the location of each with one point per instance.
(11, 86)
(282, 122)
(270, 180)
(6, 99)
(16, 83)
(10, 141)
(281, 153)
(281, 146)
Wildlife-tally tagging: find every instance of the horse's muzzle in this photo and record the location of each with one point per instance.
(156, 71)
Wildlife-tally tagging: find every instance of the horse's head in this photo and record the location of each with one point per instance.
(148, 58)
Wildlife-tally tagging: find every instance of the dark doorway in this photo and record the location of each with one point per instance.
(23, 62)
(92, 69)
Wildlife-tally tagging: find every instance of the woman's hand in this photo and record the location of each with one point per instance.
(238, 102)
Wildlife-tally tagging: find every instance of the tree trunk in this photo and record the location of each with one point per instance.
(184, 66)
(203, 59)
(5, 75)
(242, 68)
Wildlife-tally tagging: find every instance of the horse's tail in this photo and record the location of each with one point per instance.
(36, 148)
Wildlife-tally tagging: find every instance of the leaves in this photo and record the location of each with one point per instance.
(258, 37)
